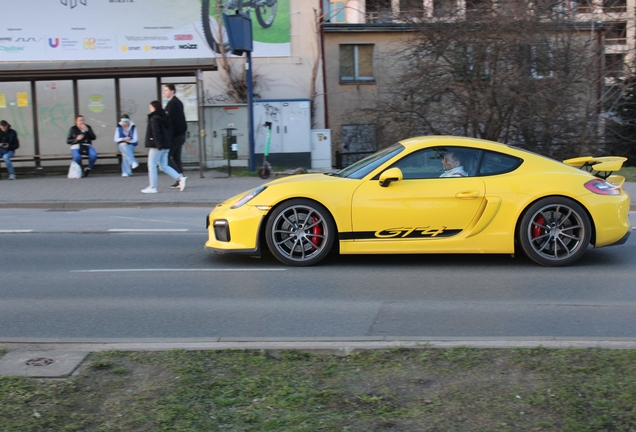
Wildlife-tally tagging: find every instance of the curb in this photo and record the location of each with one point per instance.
(337, 346)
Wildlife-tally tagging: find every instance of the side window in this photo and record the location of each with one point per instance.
(498, 163)
(438, 162)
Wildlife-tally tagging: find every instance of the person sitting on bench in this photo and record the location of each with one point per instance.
(8, 145)
(80, 138)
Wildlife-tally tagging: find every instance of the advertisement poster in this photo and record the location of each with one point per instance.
(81, 30)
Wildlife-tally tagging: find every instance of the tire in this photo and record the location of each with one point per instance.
(300, 233)
(264, 172)
(555, 232)
(207, 30)
(266, 12)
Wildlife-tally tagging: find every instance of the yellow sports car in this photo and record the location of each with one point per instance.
(432, 195)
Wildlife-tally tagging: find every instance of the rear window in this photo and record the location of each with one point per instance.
(498, 163)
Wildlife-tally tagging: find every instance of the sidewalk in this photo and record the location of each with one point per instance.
(113, 190)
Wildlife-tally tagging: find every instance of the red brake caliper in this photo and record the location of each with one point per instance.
(317, 229)
(537, 230)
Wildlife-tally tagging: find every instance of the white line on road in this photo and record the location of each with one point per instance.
(152, 220)
(148, 230)
(15, 231)
(178, 270)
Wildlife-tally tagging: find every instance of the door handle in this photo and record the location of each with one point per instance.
(467, 195)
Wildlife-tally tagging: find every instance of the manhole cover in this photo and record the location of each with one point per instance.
(41, 361)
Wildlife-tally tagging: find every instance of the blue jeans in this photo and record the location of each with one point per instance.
(7, 155)
(127, 157)
(92, 156)
(159, 158)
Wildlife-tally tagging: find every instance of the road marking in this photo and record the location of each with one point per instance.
(178, 270)
(152, 220)
(149, 230)
(15, 231)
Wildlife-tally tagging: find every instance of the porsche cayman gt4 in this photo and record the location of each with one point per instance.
(432, 195)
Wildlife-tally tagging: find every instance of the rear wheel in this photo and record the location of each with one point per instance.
(555, 232)
(300, 233)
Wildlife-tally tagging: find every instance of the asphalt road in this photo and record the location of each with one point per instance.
(93, 274)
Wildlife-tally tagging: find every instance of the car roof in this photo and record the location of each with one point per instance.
(445, 140)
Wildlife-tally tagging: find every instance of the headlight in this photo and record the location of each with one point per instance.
(248, 196)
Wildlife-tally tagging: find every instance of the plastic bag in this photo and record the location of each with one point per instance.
(74, 171)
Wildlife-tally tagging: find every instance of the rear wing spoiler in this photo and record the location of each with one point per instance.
(601, 167)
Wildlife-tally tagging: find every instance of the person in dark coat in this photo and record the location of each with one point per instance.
(80, 138)
(9, 143)
(175, 111)
(159, 142)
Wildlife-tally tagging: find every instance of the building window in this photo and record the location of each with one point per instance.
(610, 6)
(616, 34)
(444, 8)
(379, 11)
(356, 63)
(412, 9)
(541, 61)
(478, 8)
(614, 65)
(337, 12)
(472, 62)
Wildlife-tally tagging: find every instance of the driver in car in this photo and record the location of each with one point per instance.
(452, 162)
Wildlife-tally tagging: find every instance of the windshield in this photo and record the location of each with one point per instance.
(363, 167)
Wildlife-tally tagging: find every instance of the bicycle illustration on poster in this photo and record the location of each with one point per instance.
(270, 29)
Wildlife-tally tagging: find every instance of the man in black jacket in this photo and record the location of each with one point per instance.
(175, 111)
(80, 138)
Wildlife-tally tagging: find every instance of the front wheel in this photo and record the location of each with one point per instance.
(266, 12)
(300, 232)
(555, 232)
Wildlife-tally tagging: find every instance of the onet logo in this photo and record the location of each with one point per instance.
(90, 43)
(73, 3)
(54, 43)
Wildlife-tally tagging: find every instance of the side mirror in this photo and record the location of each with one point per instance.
(390, 175)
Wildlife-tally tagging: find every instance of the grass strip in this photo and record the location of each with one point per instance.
(428, 389)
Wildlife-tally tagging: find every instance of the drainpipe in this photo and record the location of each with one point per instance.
(324, 67)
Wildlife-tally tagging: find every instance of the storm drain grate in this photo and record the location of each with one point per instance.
(40, 361)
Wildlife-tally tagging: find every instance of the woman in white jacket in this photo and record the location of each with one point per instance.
(126, 138)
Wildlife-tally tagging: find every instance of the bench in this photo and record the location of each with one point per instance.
(63, 157)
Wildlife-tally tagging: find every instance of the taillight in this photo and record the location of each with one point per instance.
(602, 187)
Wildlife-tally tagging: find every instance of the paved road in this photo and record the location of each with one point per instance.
(88, 282)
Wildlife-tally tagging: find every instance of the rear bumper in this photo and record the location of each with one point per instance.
(621, 240)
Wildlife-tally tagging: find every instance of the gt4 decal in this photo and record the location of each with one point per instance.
(400, 233)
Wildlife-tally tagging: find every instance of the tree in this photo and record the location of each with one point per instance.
(621, 123)
(519, 73)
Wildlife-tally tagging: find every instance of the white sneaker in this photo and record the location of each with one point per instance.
(125, 175)
(182, 183)
(11, 176)
(134, 165)
(149, 189)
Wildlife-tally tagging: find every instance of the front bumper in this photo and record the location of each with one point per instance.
(234, 230)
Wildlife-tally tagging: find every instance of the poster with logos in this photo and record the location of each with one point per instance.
(81, 30)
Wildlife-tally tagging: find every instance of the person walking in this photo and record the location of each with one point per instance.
(80, 138)
(175, 111)
(158, 141)
(9, 143)
(127, 138)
